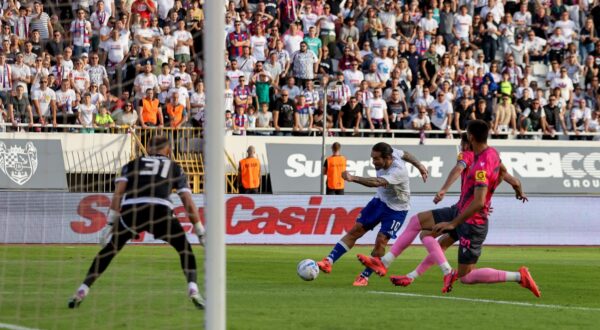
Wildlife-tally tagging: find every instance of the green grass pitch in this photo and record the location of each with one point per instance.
(145, 289)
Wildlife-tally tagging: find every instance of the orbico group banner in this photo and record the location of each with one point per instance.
(542, 170)
(44, 217)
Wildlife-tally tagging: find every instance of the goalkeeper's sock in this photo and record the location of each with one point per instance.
(84, 288)
(82, 292)
(192, 287)
(338, 251)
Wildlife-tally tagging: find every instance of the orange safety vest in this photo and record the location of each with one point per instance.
(176, 112)
(335, 166)
(250, 172)
(150, 111)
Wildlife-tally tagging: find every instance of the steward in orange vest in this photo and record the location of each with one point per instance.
(150, 112)
(176, 112)
(249, 173)
(333, 167)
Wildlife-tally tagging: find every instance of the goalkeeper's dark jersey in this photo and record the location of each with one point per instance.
(151, 179)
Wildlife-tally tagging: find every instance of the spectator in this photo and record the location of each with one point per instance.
(283, 113)
(311, 95)
(337, 96)
(421, 121)
(350, 116)
(240, 121)
(262, 85)
(80, 33)
(377, 114)
(303, 117)
(533, 119)
(67, 101)
(264, 119)
(442, 114)
(237, 40)
(462, 113)
(19, 108)
(87, 114)
(103, 119)
(197, 104)
(291, 87)
(398, 110)
(304, 64)
(580, 120)
(274, 68)
(505, 118)
(126, 116)
(44, 104)
(314, 43)
(242, 94)
(564, 83)
(481, 112)
(247, 62)
(555, 117)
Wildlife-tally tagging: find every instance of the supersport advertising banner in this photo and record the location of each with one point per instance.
(543, 170)
(46, 217)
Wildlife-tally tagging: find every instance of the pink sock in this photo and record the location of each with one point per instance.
(408, 235)
(425, 264)
(484, 275)
(434, 249)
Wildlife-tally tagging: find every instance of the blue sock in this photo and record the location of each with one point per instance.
(366, 273)
(338, 251)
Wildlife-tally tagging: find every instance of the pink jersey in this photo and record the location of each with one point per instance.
(484, 172)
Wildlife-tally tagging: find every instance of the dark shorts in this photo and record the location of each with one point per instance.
(154, 218)
(377, 212)
(470, 239)
(249, 190)
(446, 214)
(335, 191)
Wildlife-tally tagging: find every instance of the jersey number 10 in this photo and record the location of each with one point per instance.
(152, 166)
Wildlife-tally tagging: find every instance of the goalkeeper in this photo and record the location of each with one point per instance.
(141, 203)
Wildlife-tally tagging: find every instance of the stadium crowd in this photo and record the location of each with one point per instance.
(522, 66)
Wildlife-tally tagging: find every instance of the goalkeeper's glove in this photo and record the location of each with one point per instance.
(199, 228)
(106, 233)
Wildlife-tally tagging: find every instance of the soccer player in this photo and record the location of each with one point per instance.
(470, 225)
(464, 161)
(389, 206)
(141, 203)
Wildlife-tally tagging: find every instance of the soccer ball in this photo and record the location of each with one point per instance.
(307, 269)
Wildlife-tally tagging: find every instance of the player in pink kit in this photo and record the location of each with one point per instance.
(463, 163)
(470, 226)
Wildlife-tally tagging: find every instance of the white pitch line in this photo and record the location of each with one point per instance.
(14, 327)
(489, 301)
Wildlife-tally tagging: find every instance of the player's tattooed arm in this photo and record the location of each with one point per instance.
(367, 182)
(410, 158)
